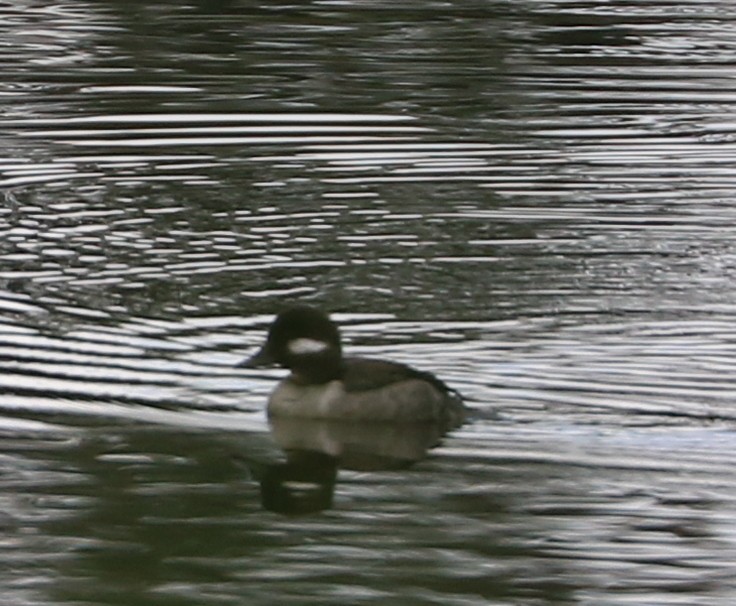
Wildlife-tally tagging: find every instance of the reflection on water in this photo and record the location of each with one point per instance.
(162, 515)
(365, 446)
(532, 200)
(315, 449)
(305, 483)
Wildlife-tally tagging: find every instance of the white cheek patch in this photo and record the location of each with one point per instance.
(307, 346)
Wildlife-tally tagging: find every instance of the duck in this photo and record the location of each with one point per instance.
(323, 384)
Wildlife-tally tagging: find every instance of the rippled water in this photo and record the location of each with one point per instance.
(532, 199)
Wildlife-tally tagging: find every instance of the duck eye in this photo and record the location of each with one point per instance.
(306, 346)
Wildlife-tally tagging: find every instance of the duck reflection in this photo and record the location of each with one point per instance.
(316, 449)
(305, 483)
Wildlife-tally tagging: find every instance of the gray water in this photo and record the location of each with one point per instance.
(534, 200)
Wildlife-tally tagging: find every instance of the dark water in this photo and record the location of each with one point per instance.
(534, 200)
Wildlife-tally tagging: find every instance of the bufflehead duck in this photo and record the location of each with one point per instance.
(325, 385)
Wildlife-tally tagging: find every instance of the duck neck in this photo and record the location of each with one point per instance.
(316, 370)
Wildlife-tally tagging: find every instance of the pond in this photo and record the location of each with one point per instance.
(533, 200)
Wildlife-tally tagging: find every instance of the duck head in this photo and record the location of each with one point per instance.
(305, 341)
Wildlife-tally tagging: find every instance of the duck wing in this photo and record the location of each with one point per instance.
(362, 374)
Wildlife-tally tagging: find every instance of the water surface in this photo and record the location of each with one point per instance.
(533, 200)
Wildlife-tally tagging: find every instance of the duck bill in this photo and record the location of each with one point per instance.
(262, 357)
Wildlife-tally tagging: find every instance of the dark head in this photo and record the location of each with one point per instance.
(305, 341)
